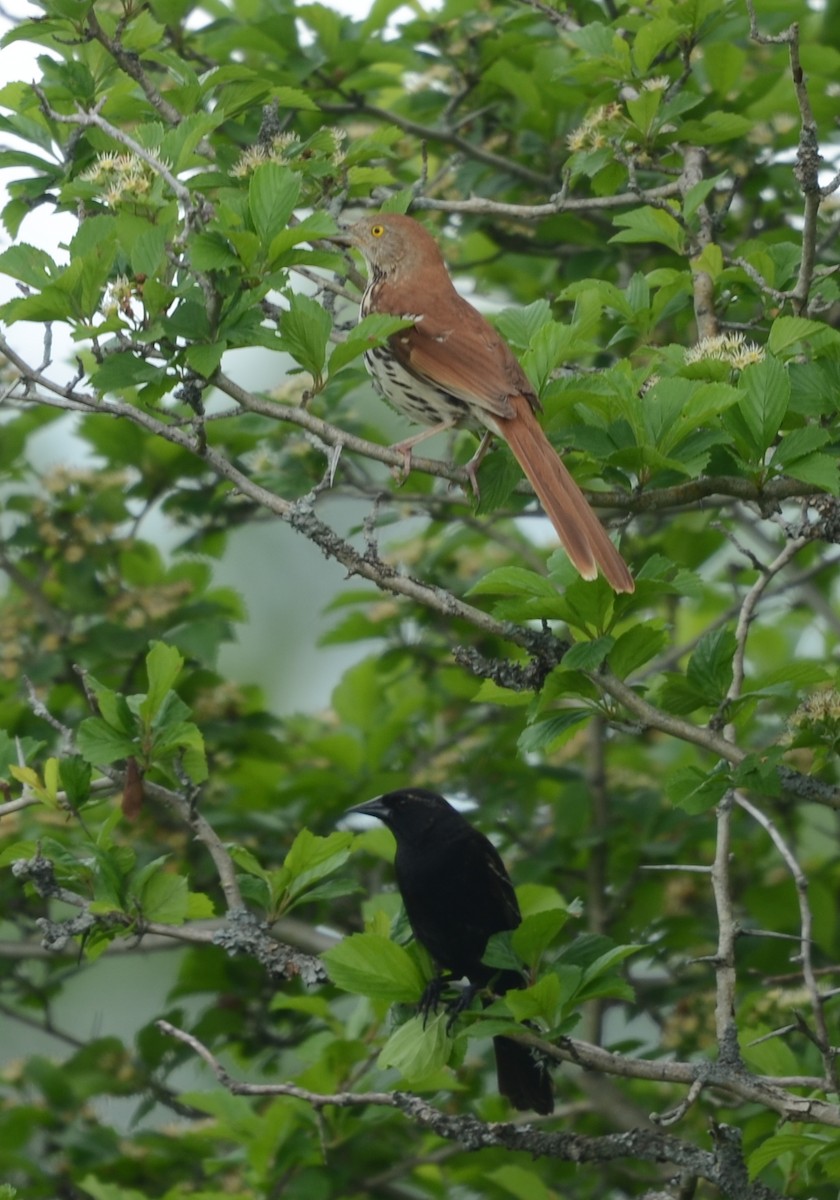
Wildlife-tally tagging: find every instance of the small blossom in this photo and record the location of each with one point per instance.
(747, 355)
(248, 162)
(726, 347)
(820, 708)
(591, 134)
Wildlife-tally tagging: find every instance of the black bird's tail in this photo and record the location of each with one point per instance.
(523, 1077)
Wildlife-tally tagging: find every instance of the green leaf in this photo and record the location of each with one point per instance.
(514, 581)
(787, 332)
(312, 858)
(541, 1001)
(709, 669)
(29, 264)
(766, 392)
(695, 196)
(272, 195)
(211, 251)
(417, 1049)
(374, 966)
(520, 1183)
(536, 932)
(499, 952)
(545, 735)
(99, 743)
(113, 706)
(588, 656)
(650, 225)
(802, 1145)
(125, 370)
(654, 35)
(304, 333)
(248, 862)
(205, 359)
(75, 779)
(606, 963)
(370, 332)
(717, 127)
(185, 739)
(799, 443)
(695, 791)
(635, 647)
(164, 898)
(819, 469)
(520, 326)
(163, 666)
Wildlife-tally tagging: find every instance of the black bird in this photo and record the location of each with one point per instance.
(456, 894)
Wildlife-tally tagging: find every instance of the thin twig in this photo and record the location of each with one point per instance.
(800, 880)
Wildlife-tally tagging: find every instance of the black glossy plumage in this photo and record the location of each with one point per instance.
(457, 893)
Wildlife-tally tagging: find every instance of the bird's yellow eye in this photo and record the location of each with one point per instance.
(377, 230)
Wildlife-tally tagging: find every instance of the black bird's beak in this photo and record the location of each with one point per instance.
(342, 238)
(370, 808)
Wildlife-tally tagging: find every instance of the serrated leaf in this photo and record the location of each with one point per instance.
(786, 332)
(514, 581)
(765, 388)
(164, 898)
(418, 1052)
(311, 858)
(29, 264)
(819, 469)
(652, 38)
(28, 776)
(199, 907)
(635, 647)
(692, 200)
(272, 195)
(541, 1001)
(606, 962)
(125, 370)
(799, 443)
(75, 779)
(543, 735)
(205, 358)
(374, 966)
(499, 952)
(709, 669)
(519, 325)
(771, 1149)
(695, 791)
(650, 225)
(99, 743)
(304, 333)
(163, 666)
(588, 656)
(536, 932)
(248, 862)
(370, 332)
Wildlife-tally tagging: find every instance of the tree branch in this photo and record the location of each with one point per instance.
(646, 1145)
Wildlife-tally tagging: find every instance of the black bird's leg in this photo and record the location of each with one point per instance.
(430, 1000)
(461, 1004)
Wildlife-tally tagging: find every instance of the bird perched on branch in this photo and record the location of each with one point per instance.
(451, 367)
(456, 894)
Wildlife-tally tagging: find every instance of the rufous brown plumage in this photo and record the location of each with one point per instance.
(451, 367)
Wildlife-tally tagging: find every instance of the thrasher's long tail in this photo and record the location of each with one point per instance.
(582, 534)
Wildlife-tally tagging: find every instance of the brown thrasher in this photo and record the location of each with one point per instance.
(451, 367)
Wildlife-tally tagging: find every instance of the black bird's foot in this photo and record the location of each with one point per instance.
(461, 1004)
(430, 1000)
(433, 994)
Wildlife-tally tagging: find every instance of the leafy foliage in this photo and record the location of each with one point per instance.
(645, 188)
